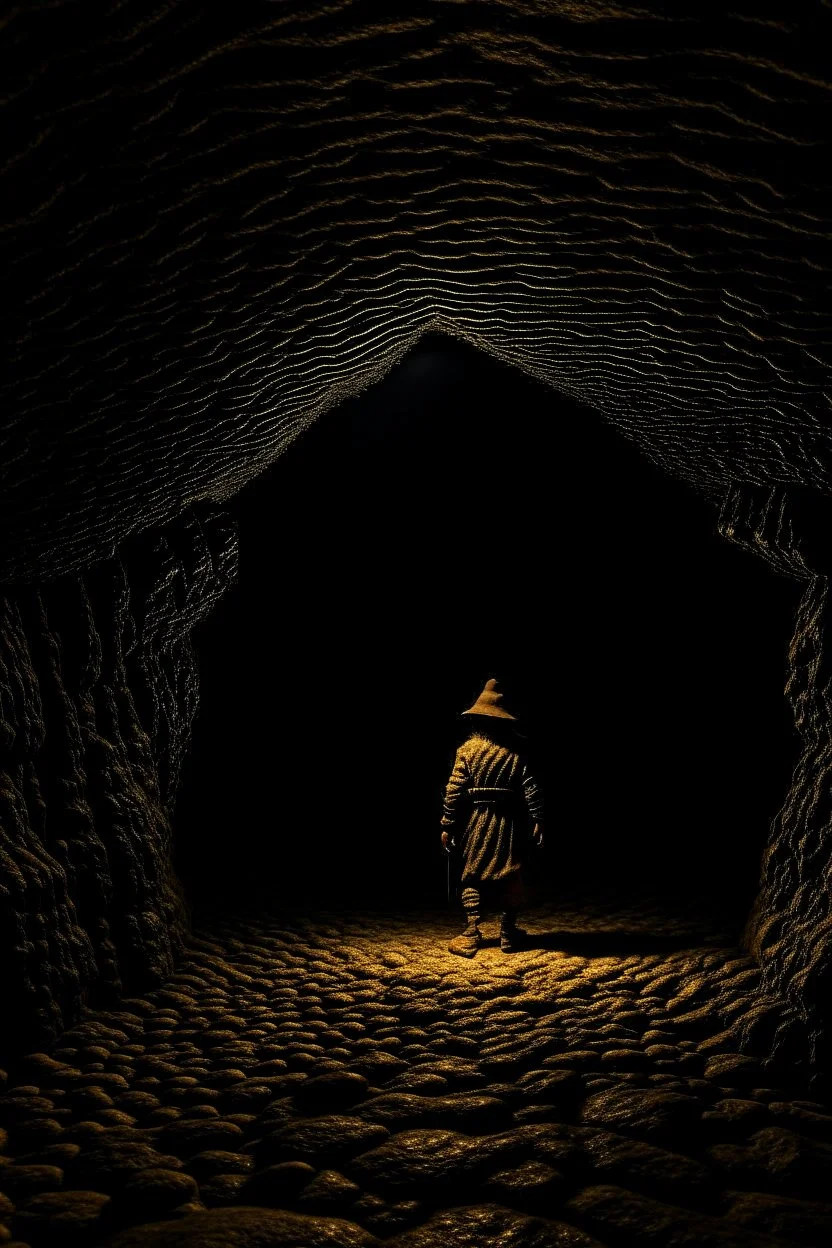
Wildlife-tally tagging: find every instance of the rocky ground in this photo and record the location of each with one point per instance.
(344, 1080)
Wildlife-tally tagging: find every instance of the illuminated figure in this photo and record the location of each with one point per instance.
(492, 819)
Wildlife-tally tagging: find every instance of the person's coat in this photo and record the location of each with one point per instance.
(491, 802)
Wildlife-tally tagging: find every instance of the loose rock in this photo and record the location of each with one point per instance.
(475, 1226)
(620, 1216)
(153, 1192)
(325, 1139)
(65, 1218)
(642, 1112)
(246, 1228)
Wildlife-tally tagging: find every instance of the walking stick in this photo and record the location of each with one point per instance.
(451, 874)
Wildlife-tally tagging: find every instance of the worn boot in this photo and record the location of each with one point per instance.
(469, 942)
(512, 937)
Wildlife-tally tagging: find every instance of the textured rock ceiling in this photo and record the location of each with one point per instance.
(222, 221)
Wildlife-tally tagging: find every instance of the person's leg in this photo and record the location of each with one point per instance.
(512, 937)
(469, 942)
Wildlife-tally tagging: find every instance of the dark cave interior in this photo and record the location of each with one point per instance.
(429, 550)
(353, 354)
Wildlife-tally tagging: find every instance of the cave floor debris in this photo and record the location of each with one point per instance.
(342, 1079)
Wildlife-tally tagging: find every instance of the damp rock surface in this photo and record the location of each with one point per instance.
(343, 1080)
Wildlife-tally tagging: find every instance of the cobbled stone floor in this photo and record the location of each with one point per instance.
(344, 1080)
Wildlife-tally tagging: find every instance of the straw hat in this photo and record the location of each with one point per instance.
(492, 703)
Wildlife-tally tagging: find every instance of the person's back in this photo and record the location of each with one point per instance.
(491, 802)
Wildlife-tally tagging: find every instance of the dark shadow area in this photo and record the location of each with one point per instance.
(455, 521)
(614, 943)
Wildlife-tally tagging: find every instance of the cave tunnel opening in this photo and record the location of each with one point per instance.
(458, 520)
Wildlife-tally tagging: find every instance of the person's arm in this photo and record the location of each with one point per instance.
(534, 802)
(455, 789)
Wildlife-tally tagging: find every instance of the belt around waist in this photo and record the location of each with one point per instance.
(483, 796)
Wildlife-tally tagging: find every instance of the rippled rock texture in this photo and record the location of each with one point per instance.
(98, 688)
(344, 1080)
(219, 229)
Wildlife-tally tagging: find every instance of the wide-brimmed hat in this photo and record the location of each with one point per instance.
(493, 703)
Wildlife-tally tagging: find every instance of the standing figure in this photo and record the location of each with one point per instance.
(493, 816)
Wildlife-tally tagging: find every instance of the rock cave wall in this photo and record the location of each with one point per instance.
(98, 688)
(789, 929)
(215, 231)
